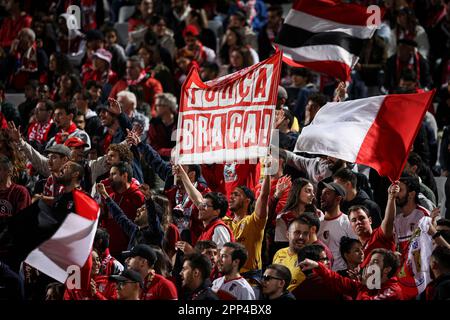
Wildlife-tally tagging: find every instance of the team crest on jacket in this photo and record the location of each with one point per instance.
(326, 234)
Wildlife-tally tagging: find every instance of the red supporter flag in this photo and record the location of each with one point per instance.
(326, 35)
(377, 131)
(229, 118)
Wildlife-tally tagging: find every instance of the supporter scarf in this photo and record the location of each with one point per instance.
(51, 188)
(141, 77)
(39, 131)
(71, 130)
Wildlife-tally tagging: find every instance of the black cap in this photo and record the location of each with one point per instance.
(143, 251)
(128, 275)
(340, 191)
(92, 35)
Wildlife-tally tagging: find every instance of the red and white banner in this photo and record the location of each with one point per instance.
(229, 118)
(376, 131)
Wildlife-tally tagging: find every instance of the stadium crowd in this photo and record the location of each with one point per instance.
(99, 103)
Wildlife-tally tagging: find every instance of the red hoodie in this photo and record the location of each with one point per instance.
(390, 290)
(129, 201)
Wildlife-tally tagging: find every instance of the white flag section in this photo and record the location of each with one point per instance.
(71, 244)
(339, 128)
(414, 275)
(376, 131)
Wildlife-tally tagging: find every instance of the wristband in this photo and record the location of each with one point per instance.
(437, 234)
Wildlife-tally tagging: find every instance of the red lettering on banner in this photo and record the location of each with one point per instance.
(251, 127)
(234, 126)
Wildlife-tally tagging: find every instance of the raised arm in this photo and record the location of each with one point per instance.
(261, 208)
(387, 225)
(195, 195)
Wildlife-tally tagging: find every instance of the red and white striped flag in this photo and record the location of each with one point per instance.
(71, 244)
(325, 35)
(377, 131)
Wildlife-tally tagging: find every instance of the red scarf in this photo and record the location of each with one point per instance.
(71, 130)
(141, 77)
(39, 131)
(51, 188)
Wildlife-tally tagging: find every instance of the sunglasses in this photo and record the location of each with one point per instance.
(268, 278)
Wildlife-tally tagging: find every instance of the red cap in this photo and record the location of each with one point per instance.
(74, 142)
(192, 30)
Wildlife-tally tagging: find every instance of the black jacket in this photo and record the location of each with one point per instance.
(363, 199)
(286, 296)
(204, 292)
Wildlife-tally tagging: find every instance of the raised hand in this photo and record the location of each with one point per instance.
(279, 118)
(133, 138)
(114, 106)
(102, 190)
(308, 264)
(339, 94)
(145, 189)
(13, 132)
(283, 184)
(394, 189)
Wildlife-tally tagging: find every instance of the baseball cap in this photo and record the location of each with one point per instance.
(143, 251)
(128, 275)
(336, 188)
(103, 54)
(74, 142)
(191, 29)
(59, 149)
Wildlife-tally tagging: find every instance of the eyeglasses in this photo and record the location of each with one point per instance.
(324, 259)
(204, 206)
(268, 278)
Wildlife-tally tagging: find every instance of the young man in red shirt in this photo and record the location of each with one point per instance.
(142, 259)
(212, 208)
(381, 237)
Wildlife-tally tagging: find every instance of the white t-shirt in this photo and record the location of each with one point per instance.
(331, 232)
(406, 225)
(236, 289)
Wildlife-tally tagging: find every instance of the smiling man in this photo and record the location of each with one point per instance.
(298, 235)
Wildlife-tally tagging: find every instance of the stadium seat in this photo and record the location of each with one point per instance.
(125, 13)
(122, 30)
(15, 98)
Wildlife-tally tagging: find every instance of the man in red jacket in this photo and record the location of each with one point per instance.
(142, 258)
(377, 283)
(126, 193)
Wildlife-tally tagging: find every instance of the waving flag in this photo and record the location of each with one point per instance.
(325, 35)
(72, 242)
(376, 131)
